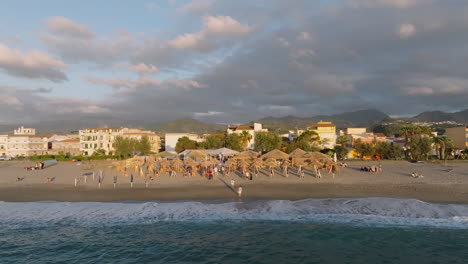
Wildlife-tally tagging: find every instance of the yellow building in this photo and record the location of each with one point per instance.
(326, 132)
(459, 136)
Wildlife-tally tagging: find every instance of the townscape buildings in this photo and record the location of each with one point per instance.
(24, 141)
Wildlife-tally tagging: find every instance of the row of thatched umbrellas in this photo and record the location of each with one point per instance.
(272, 159)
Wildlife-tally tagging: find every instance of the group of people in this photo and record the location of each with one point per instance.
(372, 169)
(37, 166)
(417, 175)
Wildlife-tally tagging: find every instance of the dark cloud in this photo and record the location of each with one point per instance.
(298, 57)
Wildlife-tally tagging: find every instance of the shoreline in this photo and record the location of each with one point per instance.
(434, 193)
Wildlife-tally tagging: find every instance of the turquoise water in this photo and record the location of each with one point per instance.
(371, 230)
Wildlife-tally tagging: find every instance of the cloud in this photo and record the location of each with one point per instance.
(225, 25)
(140, 68)
(76, 43)
(129, 84)
(196, 6)
(428, 86)
(11, 101)
(65, 26)
(405, 31)
(209, 113)
(389, 3)
(34, 65)
(147, 82)
(214, 27)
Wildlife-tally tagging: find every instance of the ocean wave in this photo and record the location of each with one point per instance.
(355, 211)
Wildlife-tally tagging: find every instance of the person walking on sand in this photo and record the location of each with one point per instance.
(239, 191)
(233, 183)
(131, 180)
(115, 180)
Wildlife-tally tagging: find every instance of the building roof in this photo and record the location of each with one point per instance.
(24, 135)
(379, 135)
(69, 140)
(241, 127)
(141, 133)
(321, 125)
(102, 128)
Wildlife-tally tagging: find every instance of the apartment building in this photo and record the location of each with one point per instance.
(326, 132)
(23, 142)
(257, 127)
(92, 139)
(459, 136)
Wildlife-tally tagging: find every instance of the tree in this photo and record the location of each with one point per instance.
(309, 136)
(233, 141)
(341, 152)
(144, 145)
(363, 149)
(442, 142)
(267, 141)
(417, 141)
(386, 150)
(245, 137)
(124, 146)
(343, 141)
(212, 142)
(99, 152)
(184, 143)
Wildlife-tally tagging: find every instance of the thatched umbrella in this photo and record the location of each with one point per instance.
(165, 154)
(196, 155)
(296, 155)
(177, 163)
(257, 164)
(271, 163)
(247, 154)
(275, 154)
(206, 163)
(300, 164)
(230, 162)
(318, 159)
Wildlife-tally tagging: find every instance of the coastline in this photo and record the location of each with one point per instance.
(435, 193)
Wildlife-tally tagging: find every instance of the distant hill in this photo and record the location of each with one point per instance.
(362, 118)
(187, 126)
(439, 116)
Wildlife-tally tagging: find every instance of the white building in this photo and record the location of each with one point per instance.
(92, 139)
(172, 138)
(23, 142)
(257, 127)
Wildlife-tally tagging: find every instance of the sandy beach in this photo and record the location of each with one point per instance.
(438, 185)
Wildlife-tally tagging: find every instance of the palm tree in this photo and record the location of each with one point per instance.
(412, 133)
(441, 143)
(245, 138)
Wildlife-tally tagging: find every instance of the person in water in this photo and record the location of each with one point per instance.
(239, 191)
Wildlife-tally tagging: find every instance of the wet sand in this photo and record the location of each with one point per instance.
(438, 184)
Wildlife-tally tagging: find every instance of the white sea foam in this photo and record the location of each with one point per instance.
(358, 211)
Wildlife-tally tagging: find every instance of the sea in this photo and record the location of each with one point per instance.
(345, 230)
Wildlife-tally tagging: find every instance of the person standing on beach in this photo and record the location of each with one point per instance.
(115, 180)
(239, 191)
(131, 180)
(233, 183)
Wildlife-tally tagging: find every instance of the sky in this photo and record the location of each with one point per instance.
(230, 61)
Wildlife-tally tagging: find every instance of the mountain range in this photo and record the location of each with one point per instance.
(362, 118)
(439, 116)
